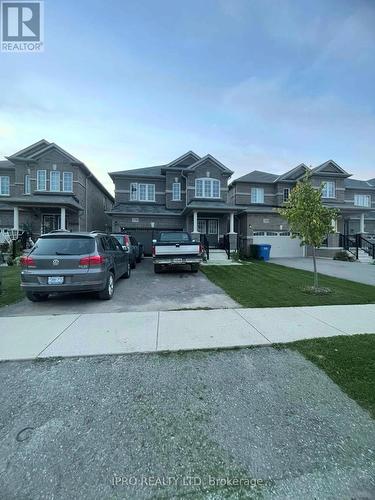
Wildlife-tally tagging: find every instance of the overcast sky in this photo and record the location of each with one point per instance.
(259, 84)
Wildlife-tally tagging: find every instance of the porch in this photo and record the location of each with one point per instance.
(213, 222)
(44, 216)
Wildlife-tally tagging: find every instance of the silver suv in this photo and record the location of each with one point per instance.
(74, 262)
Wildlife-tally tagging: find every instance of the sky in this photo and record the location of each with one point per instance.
(259, 84)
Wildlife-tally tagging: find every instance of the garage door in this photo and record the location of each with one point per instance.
(146, 235)
(282, 245)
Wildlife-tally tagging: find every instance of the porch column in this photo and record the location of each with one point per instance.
(362, 224)
(195, 221)
(231, 223)
(62, 219)
(16, 218)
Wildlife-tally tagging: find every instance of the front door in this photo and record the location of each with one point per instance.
(50, 223)
(210, 227)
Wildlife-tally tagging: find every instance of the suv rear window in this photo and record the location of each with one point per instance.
(172, 237)
(66, 245)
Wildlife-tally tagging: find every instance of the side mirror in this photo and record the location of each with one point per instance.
(154, 241)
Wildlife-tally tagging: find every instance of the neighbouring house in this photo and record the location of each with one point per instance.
(258, 194)
(44, 188)
(189, 193)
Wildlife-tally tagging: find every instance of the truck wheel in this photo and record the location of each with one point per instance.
(157, 268)
(37, 297)
(109, 289)
(195, 268)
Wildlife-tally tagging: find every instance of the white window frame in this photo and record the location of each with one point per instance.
(38, 182)
(329, 189)
(359, 200)
(141, 191)
(58, 176)
(286, 198)
(204, 188)
(176, 191)
(4, 183)
(257, 195)
(27, 184)
(65, 176)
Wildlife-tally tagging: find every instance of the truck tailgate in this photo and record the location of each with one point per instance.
(176, 249)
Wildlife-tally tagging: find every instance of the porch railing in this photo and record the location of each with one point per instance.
(353, 243)
(366, 245)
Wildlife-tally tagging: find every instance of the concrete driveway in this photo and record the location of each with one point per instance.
(144, 291)
(353, 271)
(109, 427)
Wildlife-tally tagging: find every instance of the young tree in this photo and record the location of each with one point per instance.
(308, 218)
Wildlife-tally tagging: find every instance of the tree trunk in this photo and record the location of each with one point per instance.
(316, 284)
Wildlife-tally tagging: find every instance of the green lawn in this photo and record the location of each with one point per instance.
(10, 290)
(261, 284)
(348, 360)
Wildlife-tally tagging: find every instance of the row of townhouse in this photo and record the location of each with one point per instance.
(43, 187)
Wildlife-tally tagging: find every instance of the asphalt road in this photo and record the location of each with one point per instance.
(116, 426)
(144, 291)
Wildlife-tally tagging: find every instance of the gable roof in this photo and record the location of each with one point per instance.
(371, 181)
(154, 171)
(31, 153)
(213, 160)
(6, 164)
(23, 153)
(294, 174)
(323, 168)
(257, 176)
(185, 160)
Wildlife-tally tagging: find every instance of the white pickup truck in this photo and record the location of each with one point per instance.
(176, 248)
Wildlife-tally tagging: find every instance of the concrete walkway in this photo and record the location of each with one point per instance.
(31, 337)
(362, 272)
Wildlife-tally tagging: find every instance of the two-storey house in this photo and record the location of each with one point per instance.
(258, 195)
(189, 193)
(44, 188)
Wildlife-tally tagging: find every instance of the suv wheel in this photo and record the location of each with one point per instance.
(128, 271)
(37, 297)
(109, 289)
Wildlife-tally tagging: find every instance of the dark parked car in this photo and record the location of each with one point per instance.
(74, 262)
(135, 248)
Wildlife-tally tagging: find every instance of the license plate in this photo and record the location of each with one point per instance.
(178, 259)
(55, 280)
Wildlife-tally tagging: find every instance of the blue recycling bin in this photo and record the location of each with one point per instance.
(264, 252)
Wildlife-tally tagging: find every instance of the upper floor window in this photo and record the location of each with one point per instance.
(286, 193)
(142, 192)
(27, 185)
(54, 180)
(362, 200)
(68, 181)
(176, 191)
(41, 180)
(329, 189)
(257, 195)
(207, 188)
(5, 185)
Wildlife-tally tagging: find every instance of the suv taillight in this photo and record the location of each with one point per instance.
(91, 260)
(27, 261)
(153, 250)
(127, 241)
(200, 248)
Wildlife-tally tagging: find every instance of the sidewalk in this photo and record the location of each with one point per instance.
(31, 337)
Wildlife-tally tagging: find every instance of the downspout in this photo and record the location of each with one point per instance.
(87, 177)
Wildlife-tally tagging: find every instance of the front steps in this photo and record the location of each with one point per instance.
(363, 256)
(219, 258)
